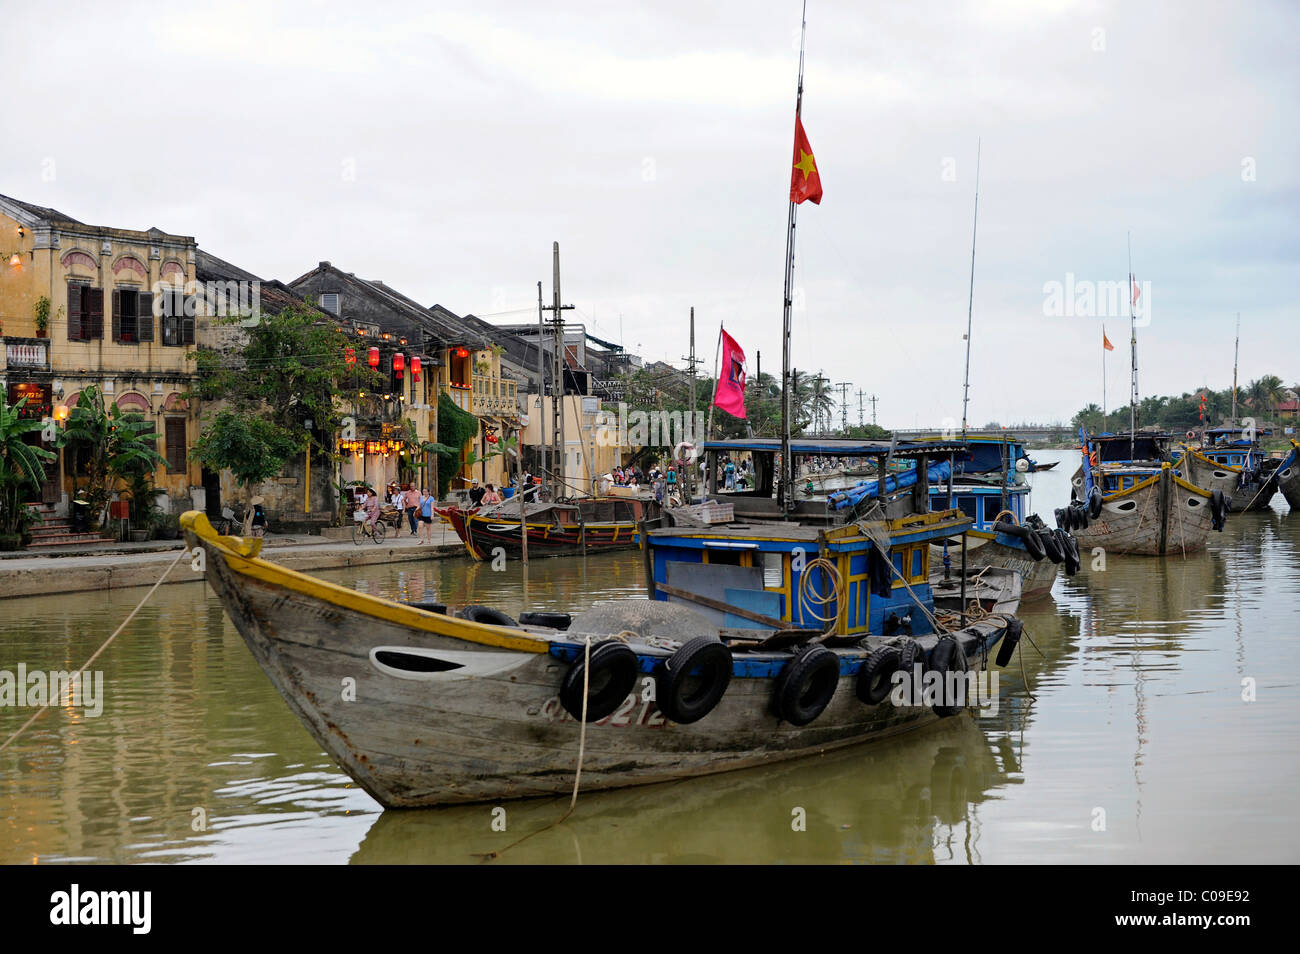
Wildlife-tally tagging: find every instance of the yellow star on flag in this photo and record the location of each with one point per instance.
(806, 164)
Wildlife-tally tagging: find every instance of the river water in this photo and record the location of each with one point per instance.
(1132, 735)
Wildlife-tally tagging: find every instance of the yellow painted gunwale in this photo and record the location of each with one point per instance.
(242, 557)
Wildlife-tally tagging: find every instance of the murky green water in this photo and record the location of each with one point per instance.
(1137, 723)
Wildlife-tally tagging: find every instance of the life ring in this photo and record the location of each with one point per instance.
(1010, 639)
(693, 680)
(486, 614)
(948, 657)
(875, 678)
(613, 675)
(807, 684)
(553, 620)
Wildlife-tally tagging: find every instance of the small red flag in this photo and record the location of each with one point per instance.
(805, 181)
(729, 394)
(1105, 342)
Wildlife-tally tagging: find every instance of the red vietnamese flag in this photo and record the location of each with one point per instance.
(1105, 342)
(729, 394)
(805, 181)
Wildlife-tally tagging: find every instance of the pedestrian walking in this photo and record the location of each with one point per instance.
(426, 517)
(411, 503)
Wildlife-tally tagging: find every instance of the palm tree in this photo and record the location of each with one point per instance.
(116, 444)
(21, 467)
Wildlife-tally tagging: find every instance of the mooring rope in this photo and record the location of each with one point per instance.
(582, 748)
(808, 599)
(130, 616)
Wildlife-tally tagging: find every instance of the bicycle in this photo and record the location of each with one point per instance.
(363, 529)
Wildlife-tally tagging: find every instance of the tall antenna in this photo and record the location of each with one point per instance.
(970, 304)
(786, 487)
(844, 404)
(1133, 345)
(861, 394)
(1235, 349)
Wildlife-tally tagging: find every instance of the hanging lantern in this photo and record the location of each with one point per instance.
(491, 438)
(373, 359)
(350, 355)
(462, 353)
(399, 364)
(415, 368)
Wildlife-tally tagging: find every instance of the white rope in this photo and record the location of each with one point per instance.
(130, 616)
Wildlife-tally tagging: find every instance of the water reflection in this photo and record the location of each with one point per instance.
(1136, 675)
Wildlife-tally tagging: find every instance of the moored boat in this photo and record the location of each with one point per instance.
(1230, 460)
(1288, 476)
(424, 708)
(584, 525)
(1141, 506)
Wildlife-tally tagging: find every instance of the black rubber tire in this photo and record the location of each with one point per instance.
(1009, 528)
(1010, 639)
(806, 685)
(948, 656)
(1094, 503)
(710, 661)
(1034, 546)
(1061, 517)
(1069, 552)
(909, 657)
(1218, 509)
(875, 678)
(432, 606)
(553, 620)
(486, 614)
(614, 670)
(1051, 546)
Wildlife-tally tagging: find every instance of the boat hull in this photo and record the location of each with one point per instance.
(1288, 477)
(1210, 474)
(1163, 514)
(983, 549)
(494, 727)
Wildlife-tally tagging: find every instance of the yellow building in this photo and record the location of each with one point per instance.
(101, 290)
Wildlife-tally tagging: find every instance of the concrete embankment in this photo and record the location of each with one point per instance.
(118, 566)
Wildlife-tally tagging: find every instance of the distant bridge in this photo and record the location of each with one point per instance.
(1028, 430)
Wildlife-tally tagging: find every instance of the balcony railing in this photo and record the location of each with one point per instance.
(494, 395)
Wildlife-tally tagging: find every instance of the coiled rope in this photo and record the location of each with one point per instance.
(811, 602)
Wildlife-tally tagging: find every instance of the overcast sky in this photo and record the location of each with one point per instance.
(443, 147)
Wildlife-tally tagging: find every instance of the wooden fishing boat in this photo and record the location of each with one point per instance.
(1146, 511)
(422, 708)
(585, 525)
(1231, 460)
(1288, 476)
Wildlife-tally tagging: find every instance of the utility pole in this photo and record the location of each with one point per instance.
(691, 363)
(861, 393)
(1236, 349)
(558, 449)
(541, 387)
(874, 399)
(844, 405)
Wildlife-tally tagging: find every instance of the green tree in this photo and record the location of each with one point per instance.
(108, 444)
(247, 444)
(21, 468)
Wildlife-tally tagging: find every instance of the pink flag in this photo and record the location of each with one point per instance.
(730, 392)
(1136, 291)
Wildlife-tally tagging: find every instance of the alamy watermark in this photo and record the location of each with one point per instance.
(926, 689)
(1083, 298)
(683, 431)
(37, 688)
(215, 299)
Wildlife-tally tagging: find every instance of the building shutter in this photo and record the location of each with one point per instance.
(144, 319)
(74, 311)
(187, 331)
(92, 316)
(175, 436)
(117, 315)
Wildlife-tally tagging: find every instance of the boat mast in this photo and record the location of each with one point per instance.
(785, 491)
(1133, 344)
(970, 303)
(1235, 349)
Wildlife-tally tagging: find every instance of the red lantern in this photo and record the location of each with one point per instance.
(462, 353)
(373, 359)
(415, 368)
(350, 355)
(491, 438)
(399, 364)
